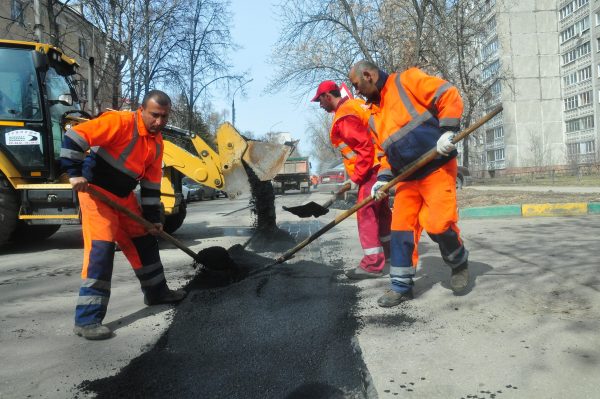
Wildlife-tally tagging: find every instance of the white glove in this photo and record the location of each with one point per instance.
(444, 143)
(375, 193)
(353, 186)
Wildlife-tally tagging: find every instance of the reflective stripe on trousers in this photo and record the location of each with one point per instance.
(373, 228)
(102, 226)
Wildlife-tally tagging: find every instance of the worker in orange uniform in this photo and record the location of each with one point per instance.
(125, 148)
(412, 112)
(350, 135)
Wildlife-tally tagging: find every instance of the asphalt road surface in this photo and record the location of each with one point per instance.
(527, 328)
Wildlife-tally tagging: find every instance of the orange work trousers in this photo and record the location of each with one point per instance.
(425, 204)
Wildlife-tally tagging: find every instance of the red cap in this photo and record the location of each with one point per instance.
(325, 87)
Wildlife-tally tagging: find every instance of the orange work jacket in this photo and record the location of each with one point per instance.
(415, 109)
(357, 108)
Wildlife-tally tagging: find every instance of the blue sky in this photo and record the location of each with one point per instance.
(256, 29)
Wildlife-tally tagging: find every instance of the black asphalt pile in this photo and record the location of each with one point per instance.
(286, 334)
(342, 204)
(267, 236)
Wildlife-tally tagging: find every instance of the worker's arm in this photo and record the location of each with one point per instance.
(356, 135)
(150, 189)
(78, 140)
(436, 94)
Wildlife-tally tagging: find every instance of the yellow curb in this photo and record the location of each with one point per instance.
(565, 209)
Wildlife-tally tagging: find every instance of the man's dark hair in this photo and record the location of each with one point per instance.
(336, 93)
(160, 97)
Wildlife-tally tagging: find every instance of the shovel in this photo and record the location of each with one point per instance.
(218, 258)
(314, 209)
(406, 172)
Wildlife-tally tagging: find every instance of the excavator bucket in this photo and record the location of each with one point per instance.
(264, 159)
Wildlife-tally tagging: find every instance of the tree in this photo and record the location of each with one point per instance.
(318, 133)
(203, 43)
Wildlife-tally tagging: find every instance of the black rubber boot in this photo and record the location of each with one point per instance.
(164, 297)
(93, 331)
(392, 298)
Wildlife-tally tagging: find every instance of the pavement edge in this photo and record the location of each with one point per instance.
(531, 210)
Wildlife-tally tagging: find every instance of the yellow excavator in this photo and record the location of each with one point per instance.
(38, 103)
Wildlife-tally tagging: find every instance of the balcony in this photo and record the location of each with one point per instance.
(496, 143)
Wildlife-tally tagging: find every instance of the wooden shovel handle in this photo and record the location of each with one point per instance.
(407, 171)
(148, 225)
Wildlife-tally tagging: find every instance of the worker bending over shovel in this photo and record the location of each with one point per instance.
(125, 148)
(350, 135)
(412, 112)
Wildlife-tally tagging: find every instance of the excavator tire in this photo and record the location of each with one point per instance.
(9, 209)
(173, 222)
(35, 232)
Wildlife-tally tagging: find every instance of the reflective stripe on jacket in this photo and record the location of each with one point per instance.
(414, 110)
(354, 142)
(122, 153)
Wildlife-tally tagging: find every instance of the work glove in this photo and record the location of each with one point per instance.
(445, 145)
(353, 186)
(375, 193)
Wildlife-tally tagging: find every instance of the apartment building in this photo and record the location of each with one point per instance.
(77, 37)
(542, 59)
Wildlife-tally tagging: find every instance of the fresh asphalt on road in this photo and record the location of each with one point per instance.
(527, 328)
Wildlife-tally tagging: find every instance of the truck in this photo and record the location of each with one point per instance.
(38, 103)
(294, 175)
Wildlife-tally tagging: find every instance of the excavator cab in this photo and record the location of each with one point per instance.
(35, 92)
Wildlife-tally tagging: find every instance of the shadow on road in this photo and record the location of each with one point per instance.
(282, 334)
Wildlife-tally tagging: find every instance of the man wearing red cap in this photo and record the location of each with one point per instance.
(350, 135)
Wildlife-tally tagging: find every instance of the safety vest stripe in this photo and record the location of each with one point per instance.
(149, 185)
(153, 281)
(414, 123)
(450, 122)
(402, 271)
(373, 251)
(150, 201)
(80, 141)
(92, 300)
(115, 163)
(148, 269)
(72, 154)
(341, 146)
(372, 125)
(438, 93)
(404, 97)
(127, 151)
(157, 151)
(385, 238)
(349, 155)
(95, 283)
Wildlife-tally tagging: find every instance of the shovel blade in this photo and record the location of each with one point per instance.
(307, 210)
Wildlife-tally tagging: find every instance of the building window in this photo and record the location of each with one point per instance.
(598, 18)
(576, 53)
(490, 70)
(567, 34)
(587, 122)
(570, 103)
(499, 154)
(566, 10)
(585, 73)
(82, 48)
(489, 49)
(585, 98)
(16, 12)
(589, 147)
